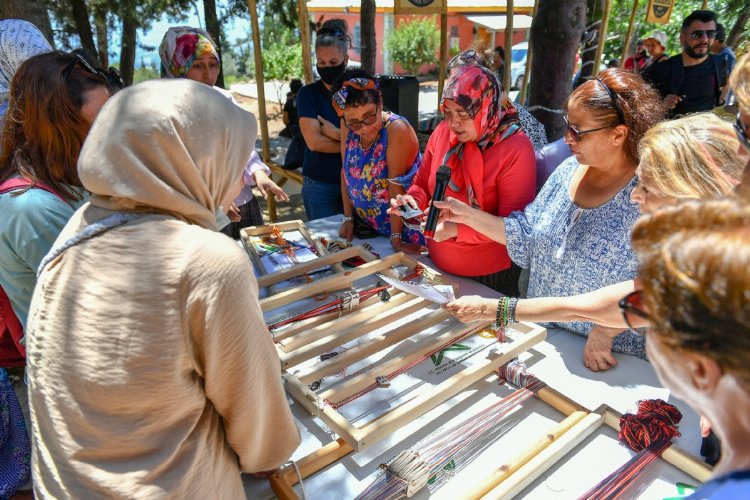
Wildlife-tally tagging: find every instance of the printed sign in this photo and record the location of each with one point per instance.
(417, 6)
(659, 11)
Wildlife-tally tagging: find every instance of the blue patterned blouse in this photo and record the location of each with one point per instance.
(569, 250)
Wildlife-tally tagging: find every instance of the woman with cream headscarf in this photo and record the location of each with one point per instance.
(158, 376)
(187, 52)
(492, 168)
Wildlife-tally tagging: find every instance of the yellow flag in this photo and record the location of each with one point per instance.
(659, 11)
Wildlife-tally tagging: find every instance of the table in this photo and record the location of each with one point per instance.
(558, 361)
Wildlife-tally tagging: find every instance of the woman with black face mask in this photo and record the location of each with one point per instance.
(318, 121)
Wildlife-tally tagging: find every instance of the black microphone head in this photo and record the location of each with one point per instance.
(443, 173)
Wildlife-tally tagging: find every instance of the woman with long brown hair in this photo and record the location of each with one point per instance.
(54, 98)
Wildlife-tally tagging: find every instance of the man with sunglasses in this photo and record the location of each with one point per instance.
(691, 81)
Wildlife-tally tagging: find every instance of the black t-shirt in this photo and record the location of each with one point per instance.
(698, 87)
(313, 100)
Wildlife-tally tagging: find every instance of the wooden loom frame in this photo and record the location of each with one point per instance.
(515, 475)
(319, 335)
(268, 280)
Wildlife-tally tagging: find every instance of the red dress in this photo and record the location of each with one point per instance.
(509, 184)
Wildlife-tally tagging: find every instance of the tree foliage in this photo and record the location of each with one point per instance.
(282, 60)
(414, 43)
(728, 12)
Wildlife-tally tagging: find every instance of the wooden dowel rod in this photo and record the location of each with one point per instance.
(504, 471)
(548, 457)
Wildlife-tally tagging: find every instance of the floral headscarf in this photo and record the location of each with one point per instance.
(476, 89)
(19, 40)
(180, 46)
(339, 98)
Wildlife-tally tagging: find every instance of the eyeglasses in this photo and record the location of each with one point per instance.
(358, 124)
(576, 134)
(613, 96)
(632, 304)
(112, 75)
(739, 128)
(698, 34)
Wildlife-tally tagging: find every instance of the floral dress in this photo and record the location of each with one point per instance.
(366, 177)
(15, 447)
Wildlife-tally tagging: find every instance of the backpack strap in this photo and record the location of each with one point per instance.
(678, 74)
(22, 182)
(717, 80)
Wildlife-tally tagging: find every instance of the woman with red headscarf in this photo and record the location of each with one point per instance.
(492, 168)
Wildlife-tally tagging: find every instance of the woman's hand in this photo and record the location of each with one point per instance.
(234, 213)
(705, 427)
(453, 210)
(445, 231)
(597, 355)
(472, 308)
(346, 230)
(399, 245)
(265, 185)
(401, 200)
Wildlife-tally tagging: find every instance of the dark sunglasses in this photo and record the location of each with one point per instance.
(358, 124)
(112, 75)
(576, 134)
(698, 34)
(632, 304)
(739, 128)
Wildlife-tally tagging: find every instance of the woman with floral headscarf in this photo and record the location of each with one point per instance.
(191, 53)
(492, 169)
(380, 155)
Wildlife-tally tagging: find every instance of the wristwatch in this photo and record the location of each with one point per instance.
(346, 218)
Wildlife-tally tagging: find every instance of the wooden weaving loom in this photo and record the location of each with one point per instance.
(413, 469)
(364, 323)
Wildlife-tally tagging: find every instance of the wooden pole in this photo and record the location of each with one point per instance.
(263, 118)
(630, 32)
(508, 45)
(443, 49)
(602, 37)
(705, 5)
(304, 31)
(527, 70)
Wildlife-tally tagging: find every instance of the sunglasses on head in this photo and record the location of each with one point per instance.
(112, 75)
(632, 305)
(739, 128)
(358, 124)
(698, 34)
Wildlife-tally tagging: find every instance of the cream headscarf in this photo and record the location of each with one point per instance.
(167, 146)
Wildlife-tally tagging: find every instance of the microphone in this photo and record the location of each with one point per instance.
(442, 178)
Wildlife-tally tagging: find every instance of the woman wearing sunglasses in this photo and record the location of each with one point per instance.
(492, 168)
(380, 154)
(575, 237)
(689, 158)
(695, 273)
(191, 53)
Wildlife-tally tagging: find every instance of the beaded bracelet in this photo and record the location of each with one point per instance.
(512, 303)
(501, 316)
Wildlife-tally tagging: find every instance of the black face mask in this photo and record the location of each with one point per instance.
(330, 73)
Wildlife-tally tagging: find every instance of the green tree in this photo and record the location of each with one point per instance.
(282, 60)
(414, 43)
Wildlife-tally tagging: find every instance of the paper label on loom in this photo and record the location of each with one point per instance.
(440, 294)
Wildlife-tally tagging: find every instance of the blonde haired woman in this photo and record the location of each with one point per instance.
(694, 157)
(690, 158)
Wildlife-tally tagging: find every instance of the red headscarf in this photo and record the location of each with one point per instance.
(477, 90)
